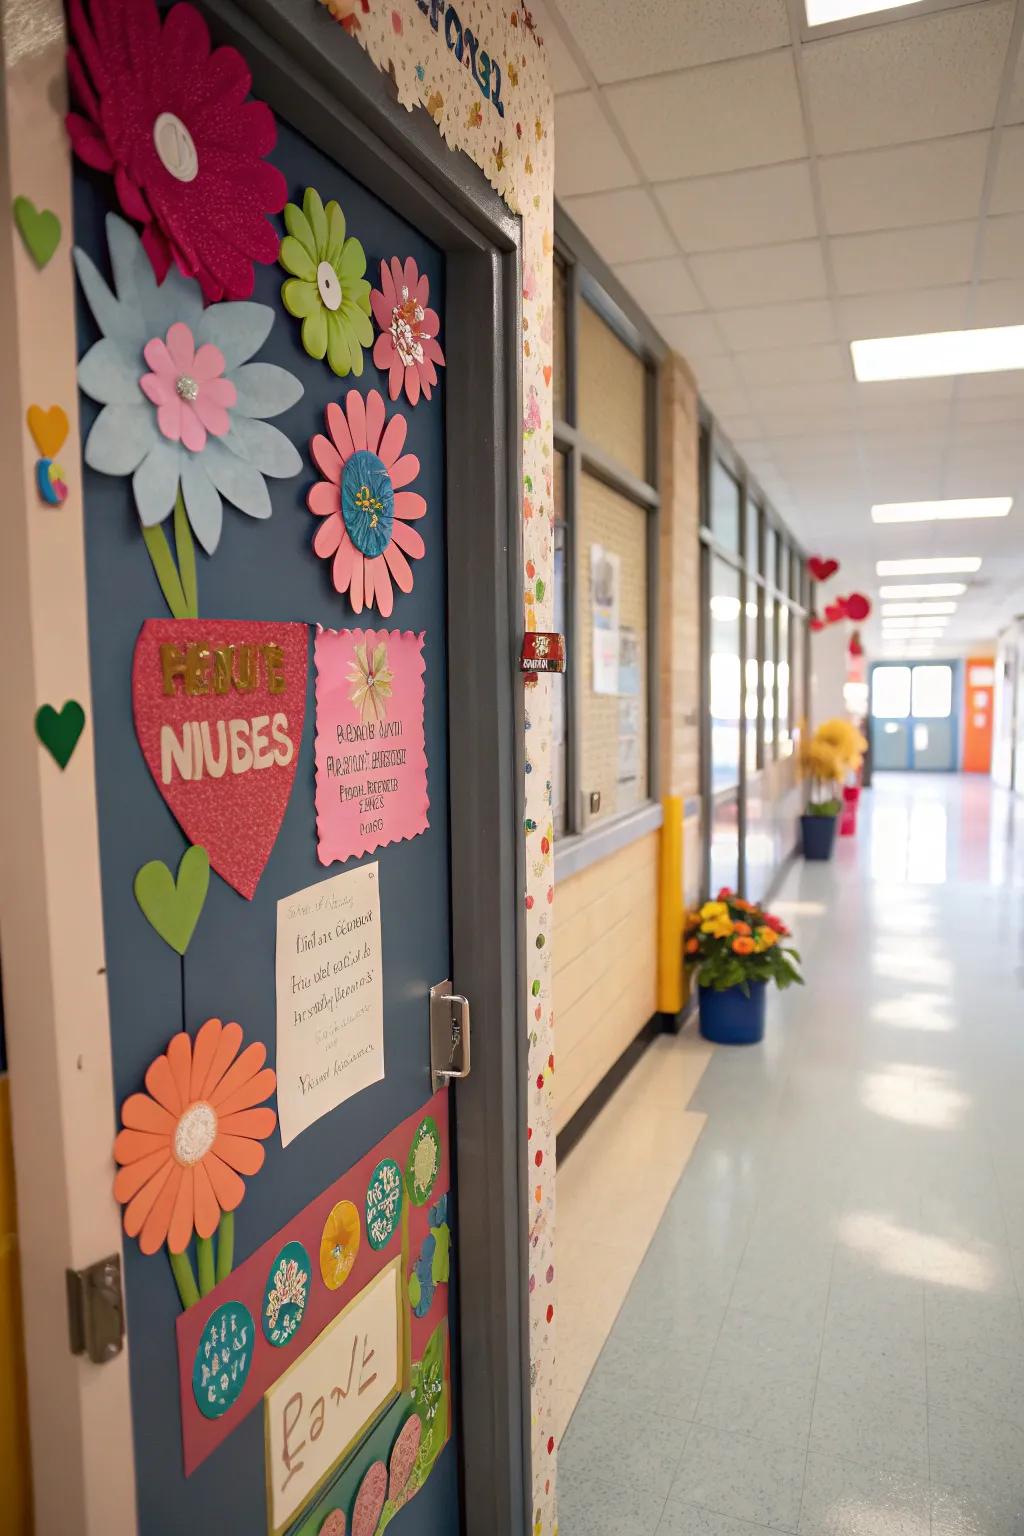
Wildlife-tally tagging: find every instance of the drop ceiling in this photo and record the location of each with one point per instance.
(768, 195)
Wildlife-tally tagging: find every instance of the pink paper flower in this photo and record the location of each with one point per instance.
(170, 121)
(188, 388)
(365, 509)
(407, 345)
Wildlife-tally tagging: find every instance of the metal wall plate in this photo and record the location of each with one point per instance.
(96, 1310)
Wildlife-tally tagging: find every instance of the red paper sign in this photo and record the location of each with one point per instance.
(219, 706)
(543, 651)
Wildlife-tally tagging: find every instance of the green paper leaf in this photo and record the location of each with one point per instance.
(440, 1266)
(172, 906)
(415, 1290)
(59, 733)
(39, 228)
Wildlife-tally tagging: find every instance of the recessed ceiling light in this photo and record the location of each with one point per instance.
(938, 354)
(924, 589)
(906, 626)
(821, 12)
(953, 565)
(940, 511)
(911, 610)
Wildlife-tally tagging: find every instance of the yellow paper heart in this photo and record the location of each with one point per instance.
(49, 428)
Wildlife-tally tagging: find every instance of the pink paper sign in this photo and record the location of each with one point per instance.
(371, 764)
(219, 706)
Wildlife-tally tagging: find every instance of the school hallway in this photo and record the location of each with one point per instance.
(825, 1335)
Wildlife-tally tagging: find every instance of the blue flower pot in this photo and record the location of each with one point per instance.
(730, 1017)
(819, 835)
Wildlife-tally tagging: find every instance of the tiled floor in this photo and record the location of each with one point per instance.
(826, 1334)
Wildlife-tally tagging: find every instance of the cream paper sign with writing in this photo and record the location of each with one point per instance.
(317, 1410)
(330, 1001)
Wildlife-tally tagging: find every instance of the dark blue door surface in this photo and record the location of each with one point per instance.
(264, 570)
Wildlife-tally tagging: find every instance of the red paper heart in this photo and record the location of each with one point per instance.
(821, 569)
(835, 611)
(857, 607)
(219, 707)
(856, 649)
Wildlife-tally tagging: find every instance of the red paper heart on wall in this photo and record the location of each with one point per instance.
(857, 607)
(821, 569)
(856, 649)
(835, 611)
(219, 706)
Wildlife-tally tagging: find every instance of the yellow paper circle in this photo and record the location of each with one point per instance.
(339, 1244)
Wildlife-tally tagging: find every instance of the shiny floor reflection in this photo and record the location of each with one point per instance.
(826, 1334)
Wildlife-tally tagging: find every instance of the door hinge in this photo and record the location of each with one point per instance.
(449, 1035)
(96, 1310)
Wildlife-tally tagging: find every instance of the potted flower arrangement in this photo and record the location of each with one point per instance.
(833, 753)
(737, 948)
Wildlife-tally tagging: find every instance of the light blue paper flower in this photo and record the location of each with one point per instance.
(130, 436)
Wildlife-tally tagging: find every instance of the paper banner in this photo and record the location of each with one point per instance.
(371, 764)
(219, 708)
(247, 1286)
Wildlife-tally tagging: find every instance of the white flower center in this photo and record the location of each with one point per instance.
(187, 388)
(195, 1134)
(329, 286)
(406, 319)
(175, 147)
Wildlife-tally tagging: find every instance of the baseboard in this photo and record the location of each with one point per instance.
(617, 1073)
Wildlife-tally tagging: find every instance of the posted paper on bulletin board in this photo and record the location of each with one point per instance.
(330, 998)
(605, 583)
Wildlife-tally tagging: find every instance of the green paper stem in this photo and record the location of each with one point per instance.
(166, 573)
(185, 546)
(181, 1266)
(204, 1261)
(225, 1245)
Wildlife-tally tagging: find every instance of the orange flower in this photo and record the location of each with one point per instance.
(743, 946)
(692, 946)
(742, 928)
(187, 1139)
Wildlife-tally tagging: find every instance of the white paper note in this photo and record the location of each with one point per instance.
(330, 1000)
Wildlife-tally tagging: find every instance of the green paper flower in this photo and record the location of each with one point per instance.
(327, 290)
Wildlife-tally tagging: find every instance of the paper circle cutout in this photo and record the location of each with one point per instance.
(383, 1203)
(334, 1525)
(175, 147)
(403, 1456)
(367, 503)
(857, 607)
(424, 1161)
(339, 1244)
(370, 1500)
(223, 1358)
(328, 286)
(286, 1294)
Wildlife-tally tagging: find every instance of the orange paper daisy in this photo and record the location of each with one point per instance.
(186, 1140)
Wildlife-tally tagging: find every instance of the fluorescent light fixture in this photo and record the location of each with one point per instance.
(938, 354)
(908, 636)
(926, 621)
(914, 610)
(941, 511)
(821, 12)
(925, 589)
(954, 565)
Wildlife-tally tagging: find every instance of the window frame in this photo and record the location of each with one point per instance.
(588, 280)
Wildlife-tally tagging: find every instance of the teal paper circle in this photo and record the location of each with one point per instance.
(286, 1294)
(223, 1358)
(383, 1203)
(367, 503)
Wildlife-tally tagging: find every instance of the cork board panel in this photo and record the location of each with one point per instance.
(612, 388)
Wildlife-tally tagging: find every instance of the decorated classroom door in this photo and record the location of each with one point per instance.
(265, 524)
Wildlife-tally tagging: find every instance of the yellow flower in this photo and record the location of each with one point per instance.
(766, 938)
(714, 909)
(718, 927)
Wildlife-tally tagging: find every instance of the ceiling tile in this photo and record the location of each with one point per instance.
(916, 79)
(904, 258)
(1003, 256)
(987, 386)
(660, 287)
(1015, 105)
(909, 184)
(903, 314)
(589, 157)
(1009, 409)
(717, 373)
(1008, 187)
(768, 274)
(796, 365)
(695, 336)
(566, 74)
(999, 304)
(720, 117)
(622, 226)
(672, 34)
(726, 402)
(741, 208)
(816, 399)
(777, 325)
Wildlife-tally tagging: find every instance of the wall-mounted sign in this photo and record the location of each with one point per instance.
(543, 651)
(465, 45)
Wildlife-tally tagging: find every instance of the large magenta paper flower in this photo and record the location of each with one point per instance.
(407, 345)
(170, 121)
(365, 509)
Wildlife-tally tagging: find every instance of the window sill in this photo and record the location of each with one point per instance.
(576, 853)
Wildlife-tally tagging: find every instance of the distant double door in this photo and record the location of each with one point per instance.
(913, 718)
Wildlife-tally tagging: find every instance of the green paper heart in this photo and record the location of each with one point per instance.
(59, 733)
(172, 906)
(40, 229)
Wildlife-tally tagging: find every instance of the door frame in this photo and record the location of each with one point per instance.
(953, 662)
(340, 100)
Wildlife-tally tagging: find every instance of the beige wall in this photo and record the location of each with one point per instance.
(679, 581)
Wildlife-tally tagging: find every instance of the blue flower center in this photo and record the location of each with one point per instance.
(367, 503)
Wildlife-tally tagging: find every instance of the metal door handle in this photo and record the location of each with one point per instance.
(449, 1035)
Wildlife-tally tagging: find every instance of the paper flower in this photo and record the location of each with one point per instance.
(362, 501)
(327, 290)
(194, 417)
(170, 121)
(371, 678)
(407, 345)
(186, 1140)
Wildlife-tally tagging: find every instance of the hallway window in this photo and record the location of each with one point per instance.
(724, 673)
(932, 693)
(890, 693)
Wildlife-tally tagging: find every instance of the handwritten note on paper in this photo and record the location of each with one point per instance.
(322, 1404)
(330, 1001)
